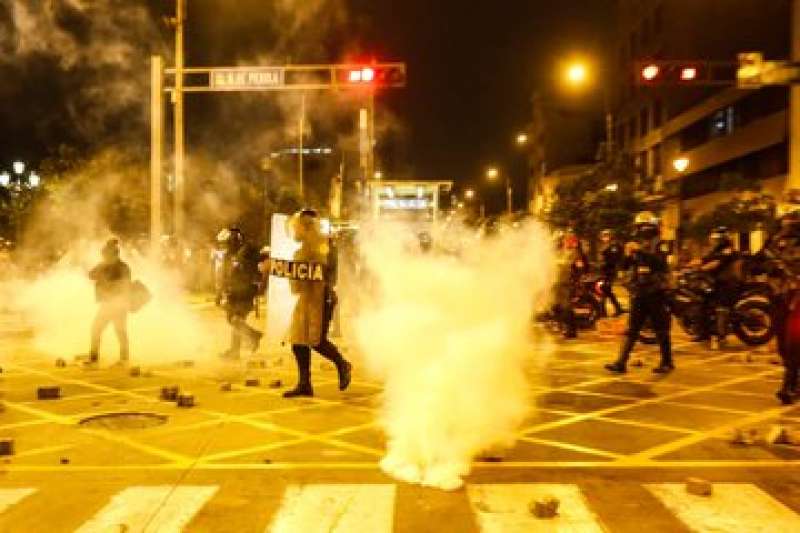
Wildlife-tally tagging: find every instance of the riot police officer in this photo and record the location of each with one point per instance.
(719, 264)
(238, 287)
(612, 255)
(784, 247)
(316, 301)
(648, 269)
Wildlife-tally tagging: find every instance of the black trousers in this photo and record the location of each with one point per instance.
(608, 294)
(236, 314)
(789, 351)
(652, 306)
(325, 348)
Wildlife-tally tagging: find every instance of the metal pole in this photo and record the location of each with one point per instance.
(302, 133)
(180, 153)
(371, 159)
(509, 196)
(156, 149)
(794, 145)
(609, 124)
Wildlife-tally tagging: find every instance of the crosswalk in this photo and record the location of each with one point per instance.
(347, 508)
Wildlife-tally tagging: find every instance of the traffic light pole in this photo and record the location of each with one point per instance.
(794, 143)
(180, 148)
(156, 149)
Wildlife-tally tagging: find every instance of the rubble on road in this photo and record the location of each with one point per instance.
(170, 393)
(135, 371)
(545, 508)
(699, 487)
(778, 434)
(61, 363)
(744, 437)
(226, 386)
(185, 399)
(6, 447)
(252, 382)
(275, 384)
(49, 392)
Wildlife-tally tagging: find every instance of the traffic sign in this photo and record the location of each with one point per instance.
(233, 79)
(754, 71)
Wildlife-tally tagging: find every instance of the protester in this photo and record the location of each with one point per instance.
(112, 278)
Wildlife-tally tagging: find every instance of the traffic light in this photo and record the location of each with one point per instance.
(377, 75)
(686, 73)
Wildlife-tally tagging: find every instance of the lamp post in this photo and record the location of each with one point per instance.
(492, 174)
(20, 191)
(577, 75)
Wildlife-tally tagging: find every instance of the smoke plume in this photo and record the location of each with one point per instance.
(450, 335)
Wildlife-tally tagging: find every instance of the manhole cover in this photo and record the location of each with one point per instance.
(124, 420)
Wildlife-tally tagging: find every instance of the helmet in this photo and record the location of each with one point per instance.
(230, 237)
(720, 236)
(646, 226)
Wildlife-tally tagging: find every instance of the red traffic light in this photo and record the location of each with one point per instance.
(689, 73)
(376, 75)
(650, 72)
(362, 75)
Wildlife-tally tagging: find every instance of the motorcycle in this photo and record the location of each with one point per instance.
(586, 302)
(750, 317)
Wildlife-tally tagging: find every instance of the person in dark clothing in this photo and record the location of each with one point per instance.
(112, 278)
(612, 255)
(784, 248)
(648, 266)
(316, 301)
(720, 264)
(239, 286)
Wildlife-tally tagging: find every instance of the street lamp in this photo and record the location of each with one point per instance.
(5, 179)
(19, 167)
(34, 180)
(522, 139)
(680, 164)
(577, 75)
(492, 173)
(378, 175)
(469, 194)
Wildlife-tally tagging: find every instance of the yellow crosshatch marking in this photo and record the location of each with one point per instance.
(579, 366)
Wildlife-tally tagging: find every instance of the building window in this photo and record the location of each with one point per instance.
(722, 122)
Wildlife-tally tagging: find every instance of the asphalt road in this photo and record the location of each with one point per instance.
(615, 451)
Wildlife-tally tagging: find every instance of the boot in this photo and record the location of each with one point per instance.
(785, 397)
(666, 366)
(345, 375)
(301, 390)
(620, 366)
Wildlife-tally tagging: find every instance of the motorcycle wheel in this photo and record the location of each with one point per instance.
(752, 322)
(586, 312)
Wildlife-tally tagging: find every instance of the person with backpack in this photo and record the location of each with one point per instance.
(112, 279)
(239, 283)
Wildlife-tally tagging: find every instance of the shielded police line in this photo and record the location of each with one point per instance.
(283, 270)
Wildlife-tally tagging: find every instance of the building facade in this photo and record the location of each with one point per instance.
(723, 135)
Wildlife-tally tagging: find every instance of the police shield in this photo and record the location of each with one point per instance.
(280, 300)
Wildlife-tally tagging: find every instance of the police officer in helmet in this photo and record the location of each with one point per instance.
(720, 263)
(784, 247)
(647, 264)
(238, 287)
(612, 255)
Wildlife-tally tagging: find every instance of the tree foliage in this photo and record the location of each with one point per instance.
(584, 203)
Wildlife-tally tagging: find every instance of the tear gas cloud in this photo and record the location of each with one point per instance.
(59, 306)
(451, 338)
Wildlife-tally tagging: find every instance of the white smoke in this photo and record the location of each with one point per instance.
(59, 306)
(451, 335)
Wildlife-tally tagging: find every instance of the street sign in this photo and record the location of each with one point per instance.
(233, 79)
(754, 72)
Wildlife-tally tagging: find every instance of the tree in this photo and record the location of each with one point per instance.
(602, 198)
(742, 214)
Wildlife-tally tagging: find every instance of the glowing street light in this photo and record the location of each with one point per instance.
(378, 175)
(612, 187)
(681, 164)
(34, 180)
(5, 179)
(577, 73)
(492, 173)
(522, 139)
(19, 167)
(469, 194)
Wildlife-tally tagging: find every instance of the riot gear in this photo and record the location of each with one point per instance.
(238, 288)
(648, 283)
(316, 301)
(612, 255)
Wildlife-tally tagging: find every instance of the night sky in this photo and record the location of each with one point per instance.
(472, 69)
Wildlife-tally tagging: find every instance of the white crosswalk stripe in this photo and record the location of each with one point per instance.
(505, 509)
(335, 508)
(732, 508)
(9, 497)
(156, 509)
